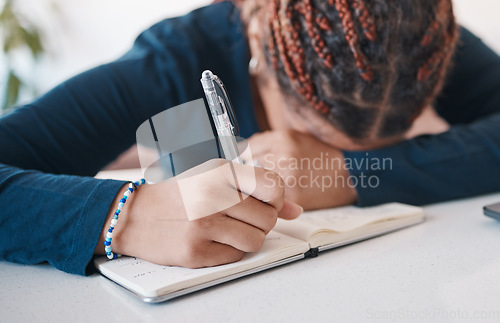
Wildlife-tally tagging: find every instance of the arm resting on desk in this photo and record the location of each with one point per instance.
(54, 218)
(85, 123)
(462, 162)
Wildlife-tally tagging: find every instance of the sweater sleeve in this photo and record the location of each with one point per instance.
(49, 210)
(462, 162)
(54, 218)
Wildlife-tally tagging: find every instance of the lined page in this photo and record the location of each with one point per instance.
(152, 280)
(343, 219)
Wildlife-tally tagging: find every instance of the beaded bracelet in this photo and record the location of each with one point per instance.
(109, 236)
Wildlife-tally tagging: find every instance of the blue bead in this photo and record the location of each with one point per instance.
(123, 200)
(108, 252)
(125, 197)
(143, 181)
(118, 212)
(107, 243)
(115, 256)
(115, 217)
(136, 183)
(131, 190)
(110, 229)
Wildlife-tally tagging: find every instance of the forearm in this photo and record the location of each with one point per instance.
(462, 162)
(53, 218)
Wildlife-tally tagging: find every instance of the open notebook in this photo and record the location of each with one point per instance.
(289, 241)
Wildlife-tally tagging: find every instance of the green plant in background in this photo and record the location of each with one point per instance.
(17, 32)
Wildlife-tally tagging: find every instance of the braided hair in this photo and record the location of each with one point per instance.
(368, 66)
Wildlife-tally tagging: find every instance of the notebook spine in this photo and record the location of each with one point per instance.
(312, 253)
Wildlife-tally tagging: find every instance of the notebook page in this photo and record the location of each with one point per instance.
(152, 280)
(343, 219)
(297, 228)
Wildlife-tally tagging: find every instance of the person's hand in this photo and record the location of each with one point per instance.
(313, 172)
(429, 122)
(197, 219)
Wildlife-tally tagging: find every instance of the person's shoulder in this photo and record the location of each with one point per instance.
(215, 15)
(471, 50)
(466, 37)
(216, 9)
(215, 21)
(216, 18)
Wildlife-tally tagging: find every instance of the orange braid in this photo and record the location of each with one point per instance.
(315, 45)
(292, 55)
(285, 46)
(353, 40)
(365, 19)
(437, 59)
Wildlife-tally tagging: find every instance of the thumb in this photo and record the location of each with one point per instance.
(290, 210)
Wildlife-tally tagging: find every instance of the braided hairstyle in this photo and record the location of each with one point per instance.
(368, 66)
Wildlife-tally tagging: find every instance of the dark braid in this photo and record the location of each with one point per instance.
(365, 19)
(352, 38)
(369, 67)
(289, 51)
(438, 57)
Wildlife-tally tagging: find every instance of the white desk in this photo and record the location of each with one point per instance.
(446, 269)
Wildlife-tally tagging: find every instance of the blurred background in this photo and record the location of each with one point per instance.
(45, 42)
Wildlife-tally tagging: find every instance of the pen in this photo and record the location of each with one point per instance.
(222, 113)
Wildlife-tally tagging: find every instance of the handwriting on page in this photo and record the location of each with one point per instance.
(138, 269)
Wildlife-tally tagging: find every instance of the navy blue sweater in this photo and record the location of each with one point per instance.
(51, 209)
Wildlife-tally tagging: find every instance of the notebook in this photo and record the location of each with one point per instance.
(289, 241)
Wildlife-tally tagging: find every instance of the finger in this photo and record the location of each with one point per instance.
(211, 254)
(290, 210)
(261, 183)
(221, 254)
(254, 212)
(234, 233)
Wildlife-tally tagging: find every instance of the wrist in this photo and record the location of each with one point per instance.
(127, 235)
(122, 208)
(99, 249)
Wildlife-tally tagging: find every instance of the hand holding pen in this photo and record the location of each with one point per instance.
(162, 230)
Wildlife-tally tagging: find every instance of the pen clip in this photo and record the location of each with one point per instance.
(222, 92)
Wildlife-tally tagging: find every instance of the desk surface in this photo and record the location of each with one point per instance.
(446, 269)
